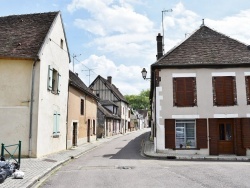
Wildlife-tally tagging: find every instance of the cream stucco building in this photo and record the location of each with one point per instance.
(34, 73)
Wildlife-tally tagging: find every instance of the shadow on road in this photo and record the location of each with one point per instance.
(132, 150)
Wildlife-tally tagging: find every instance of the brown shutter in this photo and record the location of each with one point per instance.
(184, 91)
(224, 91)
(169, 133)
(248, 89)
(201, 133)
(239, 150)
(213, 137)
(246, 132)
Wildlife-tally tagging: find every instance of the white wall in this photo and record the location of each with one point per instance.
(47, 102)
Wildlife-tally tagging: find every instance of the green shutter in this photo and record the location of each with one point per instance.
(58, 83)
(55, 123)
(50, 74)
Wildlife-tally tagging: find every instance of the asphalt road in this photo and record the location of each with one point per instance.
(119, 164)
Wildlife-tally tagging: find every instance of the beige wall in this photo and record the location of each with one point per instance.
(15, 84)
(90, 112)
(205, 108)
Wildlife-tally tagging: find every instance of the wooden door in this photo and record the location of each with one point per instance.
(88, 131)
(74, 139)
(226, 136)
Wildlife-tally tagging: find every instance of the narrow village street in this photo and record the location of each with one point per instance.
(120, 164)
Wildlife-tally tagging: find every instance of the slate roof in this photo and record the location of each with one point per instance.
(75, 81)
(112, 87)
(107, 103)
(107, 112)
(21, 36)
(206, 47)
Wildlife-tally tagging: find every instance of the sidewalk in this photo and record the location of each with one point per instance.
(149, 152)
(36, 168)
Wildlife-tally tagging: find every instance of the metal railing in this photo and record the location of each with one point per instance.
(14, 148)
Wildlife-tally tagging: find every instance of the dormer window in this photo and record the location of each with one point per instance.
(61, 44)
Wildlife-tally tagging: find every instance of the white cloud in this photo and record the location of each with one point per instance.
(127, 78)
(236, 26)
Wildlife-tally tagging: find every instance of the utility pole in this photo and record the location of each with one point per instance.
(162, 13)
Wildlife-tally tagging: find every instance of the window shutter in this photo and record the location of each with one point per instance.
(170, 133)
(248, 89)
(213, 137)
(55, 123)
(201, 133)
(239, 149)
(184, 91)
(58, 83)
(224, 91)
(246, 132)
(50, 75)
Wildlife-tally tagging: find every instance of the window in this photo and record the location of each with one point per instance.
(185, 134)
(61, 44)
(248, 89)
(56, 131)
(184, 91)
(53, 80)
(225, 131)
(224, 91)
(82, 107)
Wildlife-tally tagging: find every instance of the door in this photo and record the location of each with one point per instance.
(226, 141)
(88, 131)
(74, 138)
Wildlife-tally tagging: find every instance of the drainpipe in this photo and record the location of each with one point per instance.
(31, 105)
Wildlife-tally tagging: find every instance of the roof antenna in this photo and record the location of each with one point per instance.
(203, 23)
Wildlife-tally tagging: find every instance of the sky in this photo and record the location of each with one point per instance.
(118, 37)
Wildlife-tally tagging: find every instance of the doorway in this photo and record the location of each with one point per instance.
(74, 137)
(88, 131)
(226, 136)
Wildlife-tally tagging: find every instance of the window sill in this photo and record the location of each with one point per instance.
(186, 148)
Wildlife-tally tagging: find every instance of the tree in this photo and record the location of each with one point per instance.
(140, 101)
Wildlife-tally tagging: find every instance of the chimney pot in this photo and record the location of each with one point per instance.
(159, 46)
(109, 78)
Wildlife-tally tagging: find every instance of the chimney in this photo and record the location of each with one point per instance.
(159, 46)
(76, 74)
(110, 79)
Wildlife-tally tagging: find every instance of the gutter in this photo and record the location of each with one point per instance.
(31, 105)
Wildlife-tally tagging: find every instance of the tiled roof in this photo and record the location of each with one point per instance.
(21, 36)
(75, 81)
(113, 88)
(207, 47)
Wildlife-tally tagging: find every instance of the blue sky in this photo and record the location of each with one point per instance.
(118, 37)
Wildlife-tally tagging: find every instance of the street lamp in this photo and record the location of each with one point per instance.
(144, 74)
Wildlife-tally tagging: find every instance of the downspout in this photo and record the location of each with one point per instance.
(31, 106)
(155, 114)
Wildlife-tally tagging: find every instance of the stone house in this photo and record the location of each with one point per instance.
(82, 112)
(200, 93)
(106, 90)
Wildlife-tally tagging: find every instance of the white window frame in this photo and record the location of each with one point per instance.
(188, 142)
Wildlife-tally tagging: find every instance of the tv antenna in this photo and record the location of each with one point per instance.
(162, 13)
(74, 56)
